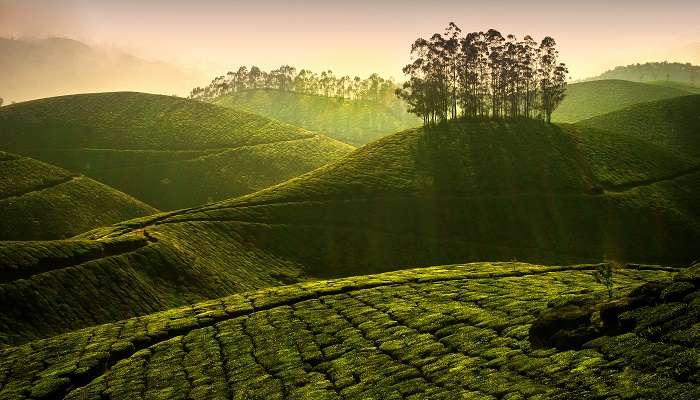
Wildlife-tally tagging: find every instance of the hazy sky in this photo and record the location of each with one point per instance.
(358, 36)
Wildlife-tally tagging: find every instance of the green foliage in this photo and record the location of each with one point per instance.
(39, 201)
(589, 99)
(169, 152)
(356, 122)
(605, 274)
(434, 332)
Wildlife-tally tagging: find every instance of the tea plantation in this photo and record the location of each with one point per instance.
(167, 151)
(589, 99)
(468, 191)
(673, 123)
(39, 201)
(462, 331)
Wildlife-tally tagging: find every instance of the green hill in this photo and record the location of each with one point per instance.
(672, 123)
(39, 201)
(448, 332)
(684, 73)
(589, 99)
(356, 122)
(465, 191)
(167, 151)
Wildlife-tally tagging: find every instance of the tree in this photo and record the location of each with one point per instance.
(286, 78)
(254, 77)
(482, 75)
(1, 101)
(553, 77)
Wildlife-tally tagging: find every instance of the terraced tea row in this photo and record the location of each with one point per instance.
(441, 332)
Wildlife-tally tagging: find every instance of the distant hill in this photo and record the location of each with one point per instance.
(38, 68)
(39, 201)
(167, 151)
(683, 73)
(589, 99)
(356, 122)
(465, 191)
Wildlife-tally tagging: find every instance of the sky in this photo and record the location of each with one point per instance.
(357, 37)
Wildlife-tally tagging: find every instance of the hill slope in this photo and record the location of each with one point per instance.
(589, 99)
(39, 201)
(351, 121)
(459, 192)
(672, 123)
(170, 152)
(678, 85)
(442, 332)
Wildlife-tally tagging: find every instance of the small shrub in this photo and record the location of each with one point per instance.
(605, 272)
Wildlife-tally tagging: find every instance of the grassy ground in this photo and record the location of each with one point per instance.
(466, 191)
(169, 152)
(589, 99)
(350, 121)
(39, 201)
(443, 332)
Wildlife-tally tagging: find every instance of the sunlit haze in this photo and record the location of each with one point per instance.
(359, 37)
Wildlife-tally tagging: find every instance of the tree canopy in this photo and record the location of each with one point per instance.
(287, 78)
(481, 75)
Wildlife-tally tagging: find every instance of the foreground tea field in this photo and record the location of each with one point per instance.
(441, 332)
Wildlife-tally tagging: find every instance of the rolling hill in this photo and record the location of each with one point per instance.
(465, 191)
(39, 201)
(682, 73)
(673, 124)
(467, 331)
(167, 151)
(588, 99)
(356, 122)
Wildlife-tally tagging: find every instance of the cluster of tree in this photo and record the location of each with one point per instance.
(286, 78)
(483, 74)
(656, 71)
